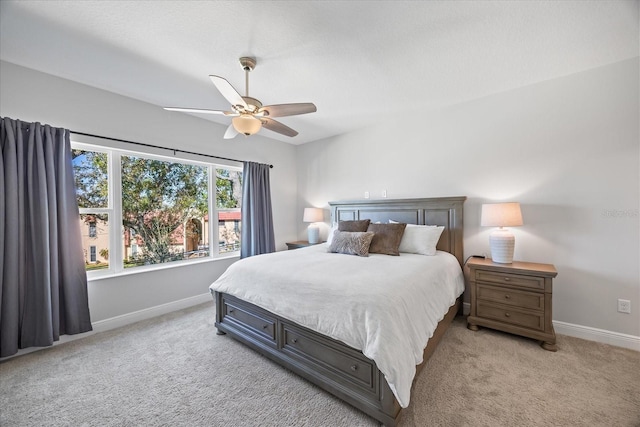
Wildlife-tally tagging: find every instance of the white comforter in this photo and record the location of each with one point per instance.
(385, 306)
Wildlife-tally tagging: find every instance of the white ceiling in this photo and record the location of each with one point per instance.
(358, 61)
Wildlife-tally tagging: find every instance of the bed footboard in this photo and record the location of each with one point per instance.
(330, 364)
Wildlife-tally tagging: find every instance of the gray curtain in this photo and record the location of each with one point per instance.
(257, 222)
(43, 293)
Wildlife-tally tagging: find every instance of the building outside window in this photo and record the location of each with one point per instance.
(93, 254)
(92, 229)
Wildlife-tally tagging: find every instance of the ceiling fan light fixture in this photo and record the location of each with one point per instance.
(249, 115)
(246, 124)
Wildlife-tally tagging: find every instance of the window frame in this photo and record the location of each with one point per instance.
(114, 209)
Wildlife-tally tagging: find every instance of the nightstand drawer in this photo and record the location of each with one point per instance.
(509, 296)
(511, 315)
(511, 279)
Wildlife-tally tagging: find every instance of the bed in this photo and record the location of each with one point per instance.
(309, 344)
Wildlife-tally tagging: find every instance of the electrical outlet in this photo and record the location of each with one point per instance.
(366, 194)
(624, 306)
(384, 193)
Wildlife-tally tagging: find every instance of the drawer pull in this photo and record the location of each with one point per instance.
(507, 296)
(265, 326)
(507, 315)
(231, 310)
(295, 340)
(354, 367)
(506, 279)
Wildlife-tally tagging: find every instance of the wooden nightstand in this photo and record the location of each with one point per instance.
(300, 244)
(514, 298)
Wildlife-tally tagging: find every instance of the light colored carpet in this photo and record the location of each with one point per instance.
(175, 371)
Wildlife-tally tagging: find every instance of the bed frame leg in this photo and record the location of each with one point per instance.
(219, 332)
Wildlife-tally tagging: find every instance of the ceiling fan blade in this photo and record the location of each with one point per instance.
(228, 91)
(201, 110)
(275, 126)
(282, 110)
(231, 132)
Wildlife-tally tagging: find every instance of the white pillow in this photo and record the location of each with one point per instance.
(330, 235)
(420, 239)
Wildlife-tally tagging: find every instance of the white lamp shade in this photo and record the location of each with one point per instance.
(501, 241)
(246, 124)
(313, 215)
(501, 215)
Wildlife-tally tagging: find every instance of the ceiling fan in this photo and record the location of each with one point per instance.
(249, 115)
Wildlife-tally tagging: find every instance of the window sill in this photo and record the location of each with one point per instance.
(152, 268)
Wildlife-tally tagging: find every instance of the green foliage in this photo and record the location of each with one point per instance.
(90, 173)
(157, 198)
(228, 189)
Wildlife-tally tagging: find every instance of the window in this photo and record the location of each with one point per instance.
(92, 190)
(160, 201)
(163, 207)
(229, 198)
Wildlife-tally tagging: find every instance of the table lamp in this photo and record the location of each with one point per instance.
(501, 241)
(313, 215)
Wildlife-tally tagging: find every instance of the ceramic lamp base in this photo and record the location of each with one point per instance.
(502, 243)
(314, 234)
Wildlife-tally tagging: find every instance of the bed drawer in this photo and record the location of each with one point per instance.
(511, 279)
(259, 323)
(509, 296)
(326, 355)
(511, 315)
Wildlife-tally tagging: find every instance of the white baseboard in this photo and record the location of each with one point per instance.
(586, 333)
(148, 313)
(123, 320)
(598, 335)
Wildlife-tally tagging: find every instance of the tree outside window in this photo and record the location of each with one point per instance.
(159, 200)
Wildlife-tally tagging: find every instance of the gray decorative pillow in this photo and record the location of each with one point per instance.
(358, 225)
(387, 238)
(351, 242)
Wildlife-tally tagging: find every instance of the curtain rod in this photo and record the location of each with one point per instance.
(158, 146)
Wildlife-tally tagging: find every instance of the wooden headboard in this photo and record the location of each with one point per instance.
(445, 211)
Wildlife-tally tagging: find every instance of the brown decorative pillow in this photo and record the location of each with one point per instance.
(359, 225)
(351, 243)
(387, 239)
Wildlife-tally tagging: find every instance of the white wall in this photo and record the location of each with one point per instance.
(566, 149)
(33, 96)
